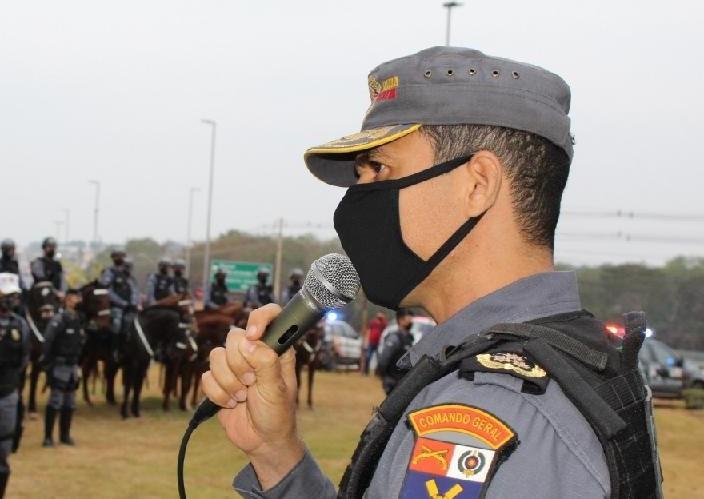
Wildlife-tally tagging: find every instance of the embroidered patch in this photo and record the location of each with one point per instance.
(381, 91)
(515, 362)
(456, 451)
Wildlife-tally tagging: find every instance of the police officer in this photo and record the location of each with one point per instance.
(181, 284)
(9, 264)
(218, 294)
(124, 298)
(160, 284)
(63, 341)
(396, 344)
(14, 355)
(455, 183)
(294, 286)
(261, 293)
(46, 268)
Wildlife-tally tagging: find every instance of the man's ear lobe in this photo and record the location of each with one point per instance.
(486, 172)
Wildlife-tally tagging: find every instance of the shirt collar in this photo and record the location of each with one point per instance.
(533, 297)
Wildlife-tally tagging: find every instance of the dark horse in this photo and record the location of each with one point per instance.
(96, 315)
(169, 326)
(42, 303)
(136, 356)
(213, 326)
(309, 353)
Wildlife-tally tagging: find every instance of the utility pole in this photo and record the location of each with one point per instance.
(279, 259)
(58, 224)
(95, 212)
(191, 193)
(449, 6)
(206, 256)
(67, 214)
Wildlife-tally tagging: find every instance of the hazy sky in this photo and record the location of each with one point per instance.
(114, 91)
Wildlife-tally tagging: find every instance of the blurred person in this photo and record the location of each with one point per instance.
(454, 191)
(261, 293)
(63, 342)
(47, 268)
(294, 286)
(10, 264)
(14, 356)
(218, 294)
(396, 344)
(124, 298)
(181, 284)
(375, 328)
(160, 284)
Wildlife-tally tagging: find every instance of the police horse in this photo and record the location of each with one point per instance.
(42, 303)
(170, 329)
(309, 354)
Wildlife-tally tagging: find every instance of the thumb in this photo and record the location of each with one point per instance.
(288, 370)
(267, 369)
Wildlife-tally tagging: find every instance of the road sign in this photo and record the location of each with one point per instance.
(240, 275)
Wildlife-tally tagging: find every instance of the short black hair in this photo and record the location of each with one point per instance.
(536, 168)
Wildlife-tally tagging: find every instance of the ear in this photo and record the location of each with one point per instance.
(485, 173)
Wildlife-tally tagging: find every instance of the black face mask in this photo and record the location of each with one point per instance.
(367, 220)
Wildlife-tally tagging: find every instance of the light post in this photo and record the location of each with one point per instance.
(191, 193)
(95, 212)
(206, 256)
(449, 6)
(67, 216)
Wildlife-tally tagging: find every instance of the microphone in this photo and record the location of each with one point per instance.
(332, 282)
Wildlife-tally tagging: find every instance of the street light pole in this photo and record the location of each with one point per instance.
(279, 259)
(449, 6)
(67, 214)
(95, 212)
(206, 256)
(191, 193)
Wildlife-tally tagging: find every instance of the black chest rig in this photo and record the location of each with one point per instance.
(9, 265)
(121, 284)
(162, 286)
(603, 382)
(10, 354)
(218, 293)
(264, 293)
(180, 285)
(69, 340)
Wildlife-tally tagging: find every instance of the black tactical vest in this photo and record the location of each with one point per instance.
(602, 381)
(52, 271)
(121, 284)
(10, 354)
(218, 293)
(264, 294)
(162, 286)
(180, 285)
(9, 265)
(69, 339)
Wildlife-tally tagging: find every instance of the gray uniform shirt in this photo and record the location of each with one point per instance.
(559, 455)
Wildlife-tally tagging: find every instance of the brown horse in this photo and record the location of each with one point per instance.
(170, 327)
(213, 326)
(309, 353)
(42, 303)
(95, 306)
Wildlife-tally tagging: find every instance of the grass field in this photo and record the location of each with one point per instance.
(137, 458)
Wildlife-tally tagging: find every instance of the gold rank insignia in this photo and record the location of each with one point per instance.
(514, 362)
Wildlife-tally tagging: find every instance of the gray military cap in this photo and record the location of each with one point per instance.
(449, 86)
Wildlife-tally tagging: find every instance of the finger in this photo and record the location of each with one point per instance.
(267, 368)
(224, 376)
(259, 319)
(215, 394)
(288, 370)
(236, 362)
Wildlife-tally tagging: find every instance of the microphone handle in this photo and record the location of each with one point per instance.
(297, 317)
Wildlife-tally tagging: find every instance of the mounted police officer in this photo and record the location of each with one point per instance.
(124, 298)
(261, 293)
(14, 355)
(181, 284)
(9, 264)
(294, 286)
(218, 295)
(454, 191)
(46, 268)
(63, 342)
(160, 284)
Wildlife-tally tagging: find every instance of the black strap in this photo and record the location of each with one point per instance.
(561, 341)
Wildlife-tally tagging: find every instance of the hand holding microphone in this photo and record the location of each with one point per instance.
(255, 387)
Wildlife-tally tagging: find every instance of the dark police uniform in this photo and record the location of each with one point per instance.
(181, 285)
(159, 286)
(218, 295)
(48, 269)
(14, 355)
(259, 295)
(63, 343)
(396, 344)
(518, 395)
(124, 299)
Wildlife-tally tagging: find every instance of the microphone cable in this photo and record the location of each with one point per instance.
(205, 410)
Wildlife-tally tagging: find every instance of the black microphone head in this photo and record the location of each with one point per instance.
(332, 281)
